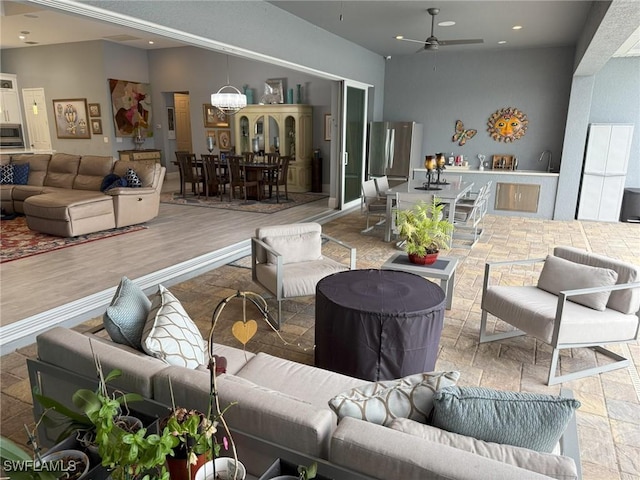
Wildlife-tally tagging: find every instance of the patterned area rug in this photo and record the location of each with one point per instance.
(266, 206)
(17, 241)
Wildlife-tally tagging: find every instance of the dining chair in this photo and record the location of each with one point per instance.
(372, 204)
(190, 172)
(271, 157)
(213, 179)
(238, 178)
(277, 177)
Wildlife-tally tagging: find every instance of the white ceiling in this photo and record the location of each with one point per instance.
(372, 24)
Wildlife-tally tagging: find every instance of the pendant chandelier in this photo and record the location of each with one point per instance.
(229, 103)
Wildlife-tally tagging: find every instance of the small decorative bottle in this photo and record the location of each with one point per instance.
(299, 93)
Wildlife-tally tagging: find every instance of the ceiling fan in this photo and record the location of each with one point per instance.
(432, 43)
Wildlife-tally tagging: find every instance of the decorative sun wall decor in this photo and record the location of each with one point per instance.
(507, 125)
(461, 136)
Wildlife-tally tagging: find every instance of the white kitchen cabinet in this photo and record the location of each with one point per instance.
(9, 101)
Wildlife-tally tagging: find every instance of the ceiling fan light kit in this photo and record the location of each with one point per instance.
(432, 43)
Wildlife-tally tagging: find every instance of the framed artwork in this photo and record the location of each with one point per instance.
(274, 90)
(224, 139)
(94, 109)
(71, 118)
(171, 123)
(507, 125)
(214, 117)
(327, 127)
(131, 108)
(96, 126)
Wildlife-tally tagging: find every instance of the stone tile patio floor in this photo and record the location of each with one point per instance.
(609, 418)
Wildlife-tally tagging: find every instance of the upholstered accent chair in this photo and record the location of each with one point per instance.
(581, 299)
(288, 260)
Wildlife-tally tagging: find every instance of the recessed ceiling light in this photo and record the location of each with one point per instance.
(502, 42)
(447, 23)
(516, 27)
(22, 37)
(399, 37)
(151, 42)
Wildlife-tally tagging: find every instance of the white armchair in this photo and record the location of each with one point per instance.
(287, 260)
(581, 300)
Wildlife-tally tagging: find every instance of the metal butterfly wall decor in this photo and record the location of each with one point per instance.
(461, 136)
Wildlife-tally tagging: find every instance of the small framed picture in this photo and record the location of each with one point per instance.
(274, 89)
(214, 117)
(94, 109)
(224, 139)
(171, 123)
(96, 126)
(327, 127)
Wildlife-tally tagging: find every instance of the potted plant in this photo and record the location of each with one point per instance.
(425, 231)
(130, 453)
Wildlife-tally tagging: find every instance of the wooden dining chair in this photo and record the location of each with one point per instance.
(190, 172)
(277, 177)
(214, 178)
(238, 178)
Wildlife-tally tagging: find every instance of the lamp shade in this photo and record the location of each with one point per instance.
(229, 103)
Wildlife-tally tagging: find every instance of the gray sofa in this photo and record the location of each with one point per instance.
(282, 411)
(62, 196)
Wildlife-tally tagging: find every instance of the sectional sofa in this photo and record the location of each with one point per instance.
(282, 411)
(62, 195)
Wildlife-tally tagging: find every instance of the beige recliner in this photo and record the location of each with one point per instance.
(287, 260)
(581, 300)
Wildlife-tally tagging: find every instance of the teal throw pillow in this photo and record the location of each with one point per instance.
(529, 420)
(125, 318)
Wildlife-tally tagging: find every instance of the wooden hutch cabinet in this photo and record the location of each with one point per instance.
(136, 155)
(283, 128)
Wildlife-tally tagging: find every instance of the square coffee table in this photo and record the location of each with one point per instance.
(444, 269)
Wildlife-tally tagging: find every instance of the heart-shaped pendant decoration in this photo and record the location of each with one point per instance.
(244, 331)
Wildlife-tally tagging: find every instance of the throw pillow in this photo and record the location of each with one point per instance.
(559, 274)
(170, 335)
(126, 315)
(551, 465)
(20, 173)
(303, 247)
(108, 180)
(529, 420)
(6, 174)
(120, 182)
(382, 402)
(133, 180)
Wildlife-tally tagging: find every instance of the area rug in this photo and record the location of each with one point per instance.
(17, 241)
(265, 206)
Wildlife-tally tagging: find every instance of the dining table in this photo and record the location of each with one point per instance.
(449, 193)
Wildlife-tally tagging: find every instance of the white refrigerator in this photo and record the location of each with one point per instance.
(604, 172)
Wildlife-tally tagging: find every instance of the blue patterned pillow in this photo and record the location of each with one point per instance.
(6, 174)
(125, 318)
(133, 180)
(20, 173)
(108, 180)
(119, 182)
(529, 420)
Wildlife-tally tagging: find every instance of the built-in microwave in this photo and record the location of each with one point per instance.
(11, 136)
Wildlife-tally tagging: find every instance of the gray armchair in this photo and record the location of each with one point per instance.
(287, 260)
(581, 300)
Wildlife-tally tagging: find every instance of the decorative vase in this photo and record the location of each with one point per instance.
(299, 94)
(179, 469)
(290, 95)
(428, 259)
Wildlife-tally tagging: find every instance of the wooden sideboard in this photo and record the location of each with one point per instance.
(134, 155)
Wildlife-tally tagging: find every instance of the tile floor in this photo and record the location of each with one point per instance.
(609, 419)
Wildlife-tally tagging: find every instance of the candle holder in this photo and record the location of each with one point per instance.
(440, 166)
(430, 164)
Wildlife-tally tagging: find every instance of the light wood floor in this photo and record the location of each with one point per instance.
(180, 233)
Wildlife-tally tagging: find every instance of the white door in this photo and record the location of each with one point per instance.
(183, 122)
(36, 119)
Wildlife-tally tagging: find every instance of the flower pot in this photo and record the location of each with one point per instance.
(428, 259)
(223, 469)
(74, 462)
(179, 468)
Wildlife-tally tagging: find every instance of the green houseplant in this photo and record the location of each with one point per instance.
(425, 231)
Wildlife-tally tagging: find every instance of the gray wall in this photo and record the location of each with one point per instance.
(436, 90)
(616, 99)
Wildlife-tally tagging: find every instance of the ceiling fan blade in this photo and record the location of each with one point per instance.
(410, 40)
(469, 41)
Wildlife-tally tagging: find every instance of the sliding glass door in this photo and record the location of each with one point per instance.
(353, 141)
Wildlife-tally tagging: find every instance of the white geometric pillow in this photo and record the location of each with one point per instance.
(6, 174)
(133, 180)
(382, 402)
(170, 335)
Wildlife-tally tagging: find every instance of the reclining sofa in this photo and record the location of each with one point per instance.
(282, 411)
(62, 195)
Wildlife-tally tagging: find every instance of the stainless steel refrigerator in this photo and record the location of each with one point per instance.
(394, 149)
